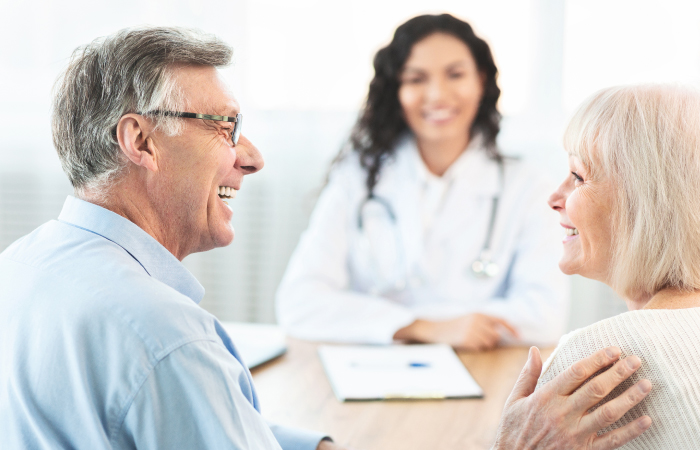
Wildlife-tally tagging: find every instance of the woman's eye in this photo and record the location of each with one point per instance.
(577, 178)
(456, 75)
(412, 80)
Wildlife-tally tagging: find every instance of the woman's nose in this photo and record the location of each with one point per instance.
(557, 200)
(436, 89)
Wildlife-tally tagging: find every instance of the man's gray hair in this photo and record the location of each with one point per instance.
(127, 72)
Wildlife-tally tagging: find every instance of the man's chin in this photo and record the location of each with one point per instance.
(225, 239)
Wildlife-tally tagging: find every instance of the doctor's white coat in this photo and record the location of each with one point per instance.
(348, 284)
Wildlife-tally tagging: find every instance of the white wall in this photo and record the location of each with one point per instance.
(301, 72)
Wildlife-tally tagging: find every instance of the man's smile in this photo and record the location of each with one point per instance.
(227, 192)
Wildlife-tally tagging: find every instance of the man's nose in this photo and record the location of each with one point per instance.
(248, 157)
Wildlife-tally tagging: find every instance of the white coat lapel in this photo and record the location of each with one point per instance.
(467, 205)
(399, 185)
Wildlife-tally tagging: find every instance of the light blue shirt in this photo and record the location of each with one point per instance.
(103, 345)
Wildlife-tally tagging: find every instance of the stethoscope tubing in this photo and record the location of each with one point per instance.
(483, 266)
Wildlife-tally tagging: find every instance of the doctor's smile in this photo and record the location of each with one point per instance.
(440, 115)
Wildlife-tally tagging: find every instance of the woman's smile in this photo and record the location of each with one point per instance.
(571, 233)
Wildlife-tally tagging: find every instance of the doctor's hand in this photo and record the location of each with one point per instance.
(470, 332)
(556, 415)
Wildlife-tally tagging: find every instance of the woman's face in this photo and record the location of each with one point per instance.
(584, 205)
(441, 89)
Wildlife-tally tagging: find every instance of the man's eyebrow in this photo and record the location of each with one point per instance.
(226, 112)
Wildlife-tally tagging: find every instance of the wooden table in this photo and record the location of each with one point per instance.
(294, 391)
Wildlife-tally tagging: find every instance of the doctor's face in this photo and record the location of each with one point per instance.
(441, 89)
(585, 205)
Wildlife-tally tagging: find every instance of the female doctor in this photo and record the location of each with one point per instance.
(424, 231)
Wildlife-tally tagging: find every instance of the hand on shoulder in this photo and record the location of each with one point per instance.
(556, 416)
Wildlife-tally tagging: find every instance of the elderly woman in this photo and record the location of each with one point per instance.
(631, 211)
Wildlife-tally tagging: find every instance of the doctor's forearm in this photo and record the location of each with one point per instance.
(419, 331)
(471, 332)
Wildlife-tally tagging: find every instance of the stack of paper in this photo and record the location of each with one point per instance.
(397, 372)
(257, 343)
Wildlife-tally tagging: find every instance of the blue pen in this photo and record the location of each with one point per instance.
(379, 365)
(418, 364)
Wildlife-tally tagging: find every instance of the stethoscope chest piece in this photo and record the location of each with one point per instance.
(484, 269)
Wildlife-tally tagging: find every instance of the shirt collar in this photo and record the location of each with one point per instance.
(156, 260)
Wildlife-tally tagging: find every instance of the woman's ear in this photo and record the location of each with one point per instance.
(135, 141)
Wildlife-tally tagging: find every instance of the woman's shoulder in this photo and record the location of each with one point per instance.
(665, 341)
(648, 334)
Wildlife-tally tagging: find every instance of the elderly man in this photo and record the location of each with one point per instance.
(102, 343)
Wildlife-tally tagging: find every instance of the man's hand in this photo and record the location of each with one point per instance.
(470, 332)
(556, 417)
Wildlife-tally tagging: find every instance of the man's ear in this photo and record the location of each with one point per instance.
(134, 134)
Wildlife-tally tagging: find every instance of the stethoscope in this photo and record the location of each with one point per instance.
(483, 266)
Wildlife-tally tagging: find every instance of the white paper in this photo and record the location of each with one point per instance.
(257, 343)
(396, 372)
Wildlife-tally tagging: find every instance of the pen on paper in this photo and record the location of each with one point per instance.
(389, 365)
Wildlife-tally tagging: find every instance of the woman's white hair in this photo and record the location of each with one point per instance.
(127, 72)
(646, 140)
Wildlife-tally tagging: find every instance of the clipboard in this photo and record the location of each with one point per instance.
(397, 372)
(257, 343)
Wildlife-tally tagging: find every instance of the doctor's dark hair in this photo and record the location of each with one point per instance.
(381, 121)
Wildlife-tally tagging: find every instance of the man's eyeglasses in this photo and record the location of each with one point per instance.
(237, 121)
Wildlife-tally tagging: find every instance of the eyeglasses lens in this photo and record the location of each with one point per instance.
(237, 128)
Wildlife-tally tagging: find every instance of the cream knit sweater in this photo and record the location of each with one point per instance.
(668, 343)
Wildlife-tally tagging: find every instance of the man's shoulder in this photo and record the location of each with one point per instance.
(57, 246)
(64, 272)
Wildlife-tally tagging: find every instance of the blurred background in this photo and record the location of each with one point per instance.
(301, 73)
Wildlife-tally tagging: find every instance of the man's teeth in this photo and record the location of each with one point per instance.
(227, 192)
(571, 231)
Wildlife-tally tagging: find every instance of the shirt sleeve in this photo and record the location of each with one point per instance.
(198, 396)
(314, 300)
